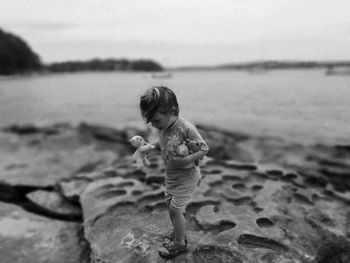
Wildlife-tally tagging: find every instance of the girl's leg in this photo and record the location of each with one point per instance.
(169, 205)
(179, 223)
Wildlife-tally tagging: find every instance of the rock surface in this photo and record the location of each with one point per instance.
(260, 199)
(29, 238)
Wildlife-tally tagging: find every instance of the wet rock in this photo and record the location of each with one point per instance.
(29, 238)
(264, 222)
(105, 133)
(53, 201)
(214, 253)
(261, 242)
(240, 166)
(28, 129)
(72, 189)
(333, 250)
(214, 218)
(275, 206)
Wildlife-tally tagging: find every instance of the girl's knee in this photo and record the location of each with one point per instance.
(174, 211)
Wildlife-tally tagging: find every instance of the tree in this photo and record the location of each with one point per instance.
(16, 56)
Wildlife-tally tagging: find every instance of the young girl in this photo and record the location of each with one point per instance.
(160, 108)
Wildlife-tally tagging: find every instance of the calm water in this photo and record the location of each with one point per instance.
(299, 105)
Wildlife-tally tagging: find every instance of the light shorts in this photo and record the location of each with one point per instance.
(178, 202)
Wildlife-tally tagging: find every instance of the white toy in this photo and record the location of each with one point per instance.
(141, 158)
(182, 150)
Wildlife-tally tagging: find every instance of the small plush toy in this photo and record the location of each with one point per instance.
(193, 145)
(182, 150)
(188, 147)
(141, 158)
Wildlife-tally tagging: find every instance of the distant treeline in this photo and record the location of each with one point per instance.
(16, 56)
(270, 65)
(105, 65)
(286, 65)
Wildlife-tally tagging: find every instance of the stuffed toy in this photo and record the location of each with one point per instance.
(188, 147)
(182, 150)
(193, 145)
(141, 158)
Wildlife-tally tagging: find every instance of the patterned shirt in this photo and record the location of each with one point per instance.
(180, 181)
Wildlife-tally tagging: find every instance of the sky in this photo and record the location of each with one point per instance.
(182, 33)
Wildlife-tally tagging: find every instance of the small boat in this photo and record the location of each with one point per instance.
(340, 70)
(163, 75)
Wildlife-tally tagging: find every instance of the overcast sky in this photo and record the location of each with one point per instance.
(187, 32)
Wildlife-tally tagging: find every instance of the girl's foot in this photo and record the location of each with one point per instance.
(172, 249)
(170, 234)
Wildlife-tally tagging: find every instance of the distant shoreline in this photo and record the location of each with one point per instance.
(270, 65)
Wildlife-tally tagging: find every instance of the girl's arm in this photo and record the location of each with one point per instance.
(150, 147)
(191, 158)
(156, 145)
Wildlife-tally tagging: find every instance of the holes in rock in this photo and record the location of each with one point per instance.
(112, 193)
(216, 209)
(252, 241)
(99, 192)
(15, 166)
(215, 171)
(257, 187)
(153, 159)
(136, 192)
(123, 166)
(231, 178)
(155, 186)
(239, 187)
(240, 201)
(302, 198)
(225, 225)
(258, 209)
(154, 165)
(274, 172)
(340, 187)
(315, 181)
(125, 184)
(329, 193)
(158, 179)
(260, 175)
(152, 198)
(215, 183)
(290, 176)
(193, 207)
(123, 206)
(18, 195)
(212, 253)
(246, 167)
(88, 168)
(315, 197)
(264, 222)
(253, 204)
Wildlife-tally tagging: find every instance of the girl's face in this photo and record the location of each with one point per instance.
(160, 120)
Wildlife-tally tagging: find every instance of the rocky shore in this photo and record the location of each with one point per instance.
(74, 194)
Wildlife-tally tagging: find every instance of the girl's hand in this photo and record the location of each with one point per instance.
(178, 162)
(146, 148)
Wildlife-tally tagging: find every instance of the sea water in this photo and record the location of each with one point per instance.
(300, 105)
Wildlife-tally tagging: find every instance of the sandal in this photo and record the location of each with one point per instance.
(171, 250)
(170, 234)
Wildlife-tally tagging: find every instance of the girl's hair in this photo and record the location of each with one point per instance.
(158, 99)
